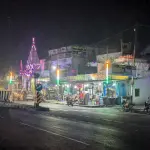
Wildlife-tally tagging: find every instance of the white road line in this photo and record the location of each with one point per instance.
(40, 129)
(59, 109)
(113, 121)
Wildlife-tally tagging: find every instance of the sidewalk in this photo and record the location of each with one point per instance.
(55, 102)
(88, 106)
(30, 105)
(138, 109)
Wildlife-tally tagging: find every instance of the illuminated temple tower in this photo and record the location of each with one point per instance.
(33, 65)
(33, 56)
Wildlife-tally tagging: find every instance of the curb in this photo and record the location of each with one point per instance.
(90, 106)
(23, 106)
(140, 111)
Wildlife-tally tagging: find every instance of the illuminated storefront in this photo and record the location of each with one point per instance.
(95, 86)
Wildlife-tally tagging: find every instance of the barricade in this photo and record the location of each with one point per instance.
(38, 99)
(4, 95)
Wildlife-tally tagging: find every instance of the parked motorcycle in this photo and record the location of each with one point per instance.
(69, 101)
(126, 106)
(147, 106)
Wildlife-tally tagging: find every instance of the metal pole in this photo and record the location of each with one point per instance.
(107, 73)
(57, 71)
(49, 68)
(135, 42)
(107, 51)
(121, 46)
(134, 53)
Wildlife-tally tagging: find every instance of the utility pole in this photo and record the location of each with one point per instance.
(107, 51)
(135, 42)
(134, 55)
(107, 71)
(49, 68)
(9, 32)
(57, 74)
(121, 46)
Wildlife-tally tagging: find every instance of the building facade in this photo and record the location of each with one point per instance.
(72, 60)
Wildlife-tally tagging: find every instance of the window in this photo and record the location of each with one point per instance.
(137, 92)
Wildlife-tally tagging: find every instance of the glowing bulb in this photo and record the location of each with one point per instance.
(87, 85)
(114, 84)
(54, 67)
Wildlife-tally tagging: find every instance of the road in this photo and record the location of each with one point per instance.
(66, 128)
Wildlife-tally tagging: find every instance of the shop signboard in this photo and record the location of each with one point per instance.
(94, 77)
(87, 77)
(76, 78)
(98, 76)
(123, 59)
(60, 50)
(78, 48)
(66, 49)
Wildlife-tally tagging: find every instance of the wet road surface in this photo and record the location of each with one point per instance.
(64, 130)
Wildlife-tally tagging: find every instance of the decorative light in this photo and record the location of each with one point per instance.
(114, 84)
(75, 87)
(107, 72)
(54, 67)
(67, 85)
(30, 68)
(58, 74)
(10, 78)
(86, 85)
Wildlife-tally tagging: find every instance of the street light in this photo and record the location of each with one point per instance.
(107, 72)
(10, 78)
(58, 76)
(54, 67)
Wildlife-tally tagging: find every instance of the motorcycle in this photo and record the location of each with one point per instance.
(126, 106)
(147, 107)
(69, 101)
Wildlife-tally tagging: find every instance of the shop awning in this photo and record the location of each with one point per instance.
(94, 77)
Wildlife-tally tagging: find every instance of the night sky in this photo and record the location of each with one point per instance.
(55, 24)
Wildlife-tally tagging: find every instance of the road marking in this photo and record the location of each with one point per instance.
(83, 122)
(109, 120)
(44, 130)
(59, 109)
(118, 121)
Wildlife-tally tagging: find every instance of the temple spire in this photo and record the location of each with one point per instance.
(33, 56)
(33, 45)
(33, 41)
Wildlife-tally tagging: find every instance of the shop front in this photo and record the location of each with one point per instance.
(92, 89)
